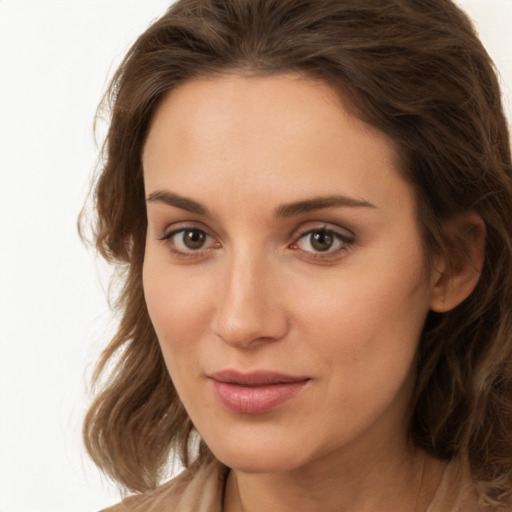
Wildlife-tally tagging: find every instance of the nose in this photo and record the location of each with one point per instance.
(248, 310)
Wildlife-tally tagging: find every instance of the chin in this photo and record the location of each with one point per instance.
(256, 461)
(260, 453)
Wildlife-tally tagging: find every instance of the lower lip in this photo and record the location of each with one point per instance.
(255, 399)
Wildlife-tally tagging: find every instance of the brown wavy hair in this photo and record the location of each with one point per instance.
(416, 70)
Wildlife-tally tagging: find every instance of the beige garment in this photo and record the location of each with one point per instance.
(201, 490)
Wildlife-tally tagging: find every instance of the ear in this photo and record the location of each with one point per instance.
(456, 273)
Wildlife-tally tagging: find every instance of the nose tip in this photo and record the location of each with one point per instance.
(239, 334)
(243, 322)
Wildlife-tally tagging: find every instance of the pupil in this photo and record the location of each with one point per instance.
(194, 239)
(322, 241)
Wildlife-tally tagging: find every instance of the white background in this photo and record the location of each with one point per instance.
(55, 57)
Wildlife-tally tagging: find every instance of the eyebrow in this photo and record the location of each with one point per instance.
(184, 203)
(282, 211)
(319, 203)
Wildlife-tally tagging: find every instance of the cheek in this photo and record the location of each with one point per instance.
(177, 306)
(367, 318)
(367, 301)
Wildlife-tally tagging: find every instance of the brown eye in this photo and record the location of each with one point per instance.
(189, 241)
(321, 240)
(193, 239)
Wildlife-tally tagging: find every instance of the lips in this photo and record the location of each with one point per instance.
(255, 392)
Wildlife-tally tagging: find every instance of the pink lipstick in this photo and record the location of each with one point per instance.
(255, 392)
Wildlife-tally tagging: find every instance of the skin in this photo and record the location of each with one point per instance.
(258, 295)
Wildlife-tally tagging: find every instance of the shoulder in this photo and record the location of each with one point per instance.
(456, 492)
(200, 488)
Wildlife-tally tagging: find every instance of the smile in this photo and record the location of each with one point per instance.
(256, 392)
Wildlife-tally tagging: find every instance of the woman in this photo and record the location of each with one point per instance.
(310, 201)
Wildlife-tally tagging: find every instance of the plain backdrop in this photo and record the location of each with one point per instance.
(55, 57)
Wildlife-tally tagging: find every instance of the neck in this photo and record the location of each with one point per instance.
(405, 483)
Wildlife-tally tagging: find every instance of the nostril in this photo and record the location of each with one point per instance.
(242, 328)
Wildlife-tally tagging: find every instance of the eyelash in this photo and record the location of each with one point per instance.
(345, 243)
(198, 254)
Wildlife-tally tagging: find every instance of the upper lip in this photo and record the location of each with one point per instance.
(255, 378)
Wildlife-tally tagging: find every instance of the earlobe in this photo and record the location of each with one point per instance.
(458, 271)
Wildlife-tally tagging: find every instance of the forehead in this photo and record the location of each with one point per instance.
(248, 132)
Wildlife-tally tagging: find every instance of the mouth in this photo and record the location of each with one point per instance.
(255, 392)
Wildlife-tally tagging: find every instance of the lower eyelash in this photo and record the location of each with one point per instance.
(190, 255)
(347, 245)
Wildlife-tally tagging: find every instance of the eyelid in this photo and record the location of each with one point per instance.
(343, 235)
(181, 227)
(304, 229)
(176, 227)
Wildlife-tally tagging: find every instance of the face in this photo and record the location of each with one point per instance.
(284, 272)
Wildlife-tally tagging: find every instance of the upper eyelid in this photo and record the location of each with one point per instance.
(322, 226)
(178, 252)
(346, 240)
(297, 233)
(328, 230)
(176, 227)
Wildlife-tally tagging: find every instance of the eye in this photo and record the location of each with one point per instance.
(323, 240)
(186, 241)
(320, 240)
(192, 239)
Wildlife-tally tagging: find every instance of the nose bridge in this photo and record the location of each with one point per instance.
(247, 308)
